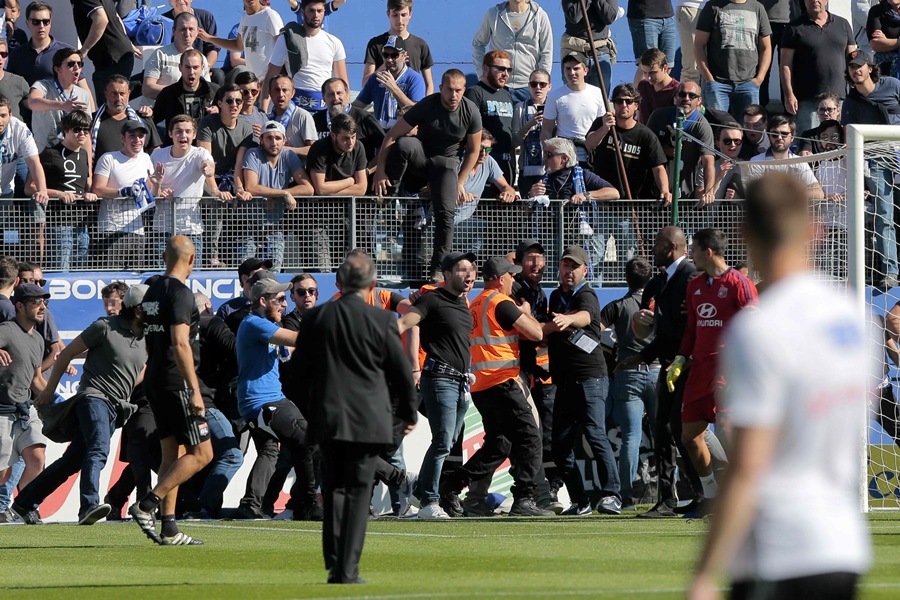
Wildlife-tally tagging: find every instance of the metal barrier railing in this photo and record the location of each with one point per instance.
(315, 236)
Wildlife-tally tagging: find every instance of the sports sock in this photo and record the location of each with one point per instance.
(169, 526)
(710, 487)
(150, 502)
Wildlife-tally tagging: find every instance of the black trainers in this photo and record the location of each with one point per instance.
(30, 517)
(525, 507)
(179, 539)
(577, 510)
(92, 515)
(451, 504)
(115, 510)
(146, 521)
(312, 513)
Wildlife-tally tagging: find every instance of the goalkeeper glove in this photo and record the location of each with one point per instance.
(674, 372)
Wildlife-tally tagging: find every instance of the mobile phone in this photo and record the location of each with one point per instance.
(539, 108)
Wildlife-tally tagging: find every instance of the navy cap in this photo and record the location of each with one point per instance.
(454, 257)
(24, 291)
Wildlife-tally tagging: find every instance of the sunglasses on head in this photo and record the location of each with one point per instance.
(38, 22)
(690, 95)
(307, 291)
(233, 101)
(501, 68)
(72, 63)
(538, 84)
(628, 101)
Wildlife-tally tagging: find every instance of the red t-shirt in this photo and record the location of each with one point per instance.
(651, 99)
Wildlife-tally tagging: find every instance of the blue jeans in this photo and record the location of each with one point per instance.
(6, 490)
(228, 458)
(583, 403)
(730, 97)
(446, 405)
(806, 117)
(71, 247)
(885, 234)
(654, 33)
(605, 69)
(631, 393)
(87, 453)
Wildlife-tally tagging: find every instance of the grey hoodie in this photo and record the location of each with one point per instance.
(529, 49)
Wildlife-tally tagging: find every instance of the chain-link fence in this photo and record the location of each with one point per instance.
(318, 232)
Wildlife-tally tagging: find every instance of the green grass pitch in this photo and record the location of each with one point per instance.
(590, 557)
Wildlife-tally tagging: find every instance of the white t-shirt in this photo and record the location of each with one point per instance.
(758, 167)
(575, 112)
(801, 364)
(324, 50)
(16, 141)
(46, 123)
(184, 177)
(258, 31)
(120, 171)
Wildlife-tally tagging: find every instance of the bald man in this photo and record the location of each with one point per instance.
(172, 329)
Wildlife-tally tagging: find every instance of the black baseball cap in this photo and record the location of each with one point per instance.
(454, 257)
(254, 264)
(860, 58)
(24, 291)
(526, 245)
(574, 55)
(396, 42)
(497, 266)
(134, 125)
(576, 253)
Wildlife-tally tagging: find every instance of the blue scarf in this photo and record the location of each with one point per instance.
(285, 119)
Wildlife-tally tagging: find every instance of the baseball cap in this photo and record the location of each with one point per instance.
(271, 126)
(859, 58)
(267, 286)
(135, 295)
(24, 291)
(396, 42)
(260, 275)
(454, 257)
(254, 264)
(496, 266)
(526, 245)
(576, 253)
(574, 55)
(134, 125)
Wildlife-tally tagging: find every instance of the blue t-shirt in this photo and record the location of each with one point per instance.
(410, 83)
(279, 178)
(258, 381)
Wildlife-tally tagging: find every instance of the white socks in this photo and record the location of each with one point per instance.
(710, 487)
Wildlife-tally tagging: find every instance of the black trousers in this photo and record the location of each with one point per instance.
(303, 491)
(510, 431)
(667, 439)
(825, 586)
(408, 164)
(142, 452)
(544, 396)
(348, 471)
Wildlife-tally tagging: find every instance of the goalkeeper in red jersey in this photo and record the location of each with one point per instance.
(713, 298)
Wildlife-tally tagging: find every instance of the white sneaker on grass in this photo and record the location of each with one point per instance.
(432, 511)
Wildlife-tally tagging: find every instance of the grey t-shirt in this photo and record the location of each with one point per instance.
(225, 142)
(45, 124)
(734, 31)
(662, 124)
(16, 89)
(257, 117)
(114, 360)
(27, 353)
(281, 176)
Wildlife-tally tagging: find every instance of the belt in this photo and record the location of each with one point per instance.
(442, 369)
(643, 367)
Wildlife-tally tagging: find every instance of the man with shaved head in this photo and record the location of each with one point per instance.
(662, 322)
(172, 330)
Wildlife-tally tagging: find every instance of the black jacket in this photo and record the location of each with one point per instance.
(348, 364)
(170, 103)
(670, 322)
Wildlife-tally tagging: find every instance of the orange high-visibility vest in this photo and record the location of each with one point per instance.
(495, 353)
(542, 360)
(383, 299)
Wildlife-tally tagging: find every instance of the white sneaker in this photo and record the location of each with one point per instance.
(407, 499)
(410, 513)
(285, 515)
(432, 511)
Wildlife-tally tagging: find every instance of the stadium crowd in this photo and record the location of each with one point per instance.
(278, 123)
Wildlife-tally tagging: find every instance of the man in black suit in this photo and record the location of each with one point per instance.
(662, 313)
(351, 363)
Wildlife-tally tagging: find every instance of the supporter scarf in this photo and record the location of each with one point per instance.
(577, 180)
(62, 94)
(143, 198)
(328, 116)
(285, 119)
(95, 126)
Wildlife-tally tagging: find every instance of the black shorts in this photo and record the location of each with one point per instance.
(175, 417)
(824, 586)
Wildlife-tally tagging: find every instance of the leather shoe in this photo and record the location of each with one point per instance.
(687, 508)
(662, 510)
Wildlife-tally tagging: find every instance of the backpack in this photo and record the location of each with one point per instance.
(147, 27)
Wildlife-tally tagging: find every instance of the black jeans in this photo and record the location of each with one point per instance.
(143, 454)
(124, 66)
(408, 164)
(510, 431)
(667, 440)
(544, 396)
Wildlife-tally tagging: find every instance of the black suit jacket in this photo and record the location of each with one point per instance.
(350, 362)
(669, 322)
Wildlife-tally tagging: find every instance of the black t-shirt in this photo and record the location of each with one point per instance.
(561, 184)
(109, 136)
(538, 301)
(370, 133)
(66, 171)
(323, 158)
(442, 132)
(291, 321)
(641, 151)
(218, 358)
(445, 327)
(881, 16)
(168, 302)
(419, 54)
(819, 56)
(649, 9)
(567, 361)
(114, 43)
(496, 108)
(507, 313)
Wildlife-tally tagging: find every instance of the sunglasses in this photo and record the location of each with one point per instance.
(550, 154)
(251, 92)
(39, 301)
(307, 291)
(732, 141)
(538, 84)
(279, 299)
(39, 22)
(826, 110)
(40, 282)
(4, 54)
(830, 137)
(390, 55)
(72, 63)
(628, 101)
(233, 101)
(780, 134)
(690, 95)
(500, 68)
(78, 130)
(486, 150)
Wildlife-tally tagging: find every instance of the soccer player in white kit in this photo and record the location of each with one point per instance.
(788, 522)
